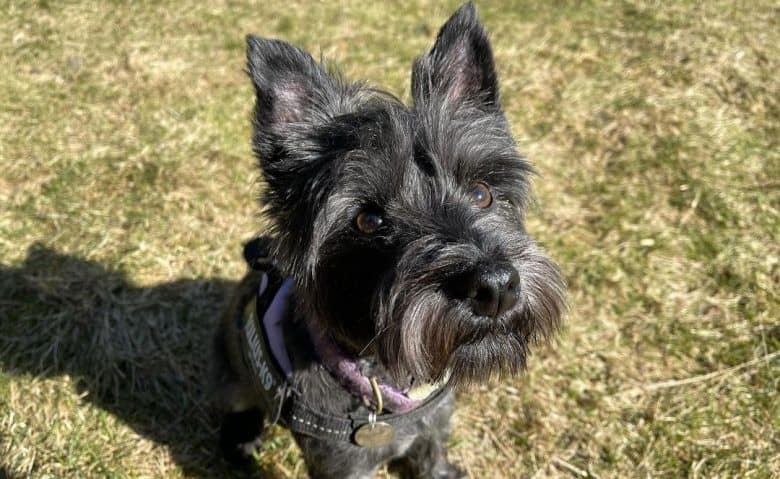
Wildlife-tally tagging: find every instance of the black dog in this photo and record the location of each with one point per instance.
(397, 257)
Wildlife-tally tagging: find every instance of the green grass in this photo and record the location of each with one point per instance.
(128, 185)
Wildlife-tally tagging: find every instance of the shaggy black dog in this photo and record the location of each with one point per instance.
(399, 251)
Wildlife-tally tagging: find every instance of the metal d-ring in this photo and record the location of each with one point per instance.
(377, 396)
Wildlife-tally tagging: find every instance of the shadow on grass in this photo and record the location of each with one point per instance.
(141, 353)
(4, 474)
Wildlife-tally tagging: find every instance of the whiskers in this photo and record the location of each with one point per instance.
(376, 336)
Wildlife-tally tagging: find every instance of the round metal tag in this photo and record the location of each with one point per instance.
(375, 435)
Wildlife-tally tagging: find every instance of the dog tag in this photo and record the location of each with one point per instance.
(375, 435)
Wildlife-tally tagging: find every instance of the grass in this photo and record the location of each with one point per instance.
(128, 186)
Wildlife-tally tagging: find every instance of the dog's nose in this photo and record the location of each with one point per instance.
(491, 289)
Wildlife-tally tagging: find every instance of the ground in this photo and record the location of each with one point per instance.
(128, 186)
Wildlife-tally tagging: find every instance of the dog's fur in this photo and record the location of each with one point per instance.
(330, 149)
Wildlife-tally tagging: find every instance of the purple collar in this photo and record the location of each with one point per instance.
(344, 368)
(347, 371)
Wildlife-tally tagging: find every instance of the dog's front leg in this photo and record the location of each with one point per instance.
(242, 423)
(340, 460)
(239, 435)
(426, 457)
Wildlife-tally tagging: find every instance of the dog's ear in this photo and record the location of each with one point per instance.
(459, 67)
(296, 101)
(291, 86)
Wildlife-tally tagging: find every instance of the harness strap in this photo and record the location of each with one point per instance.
(304, 420)
(270, 384)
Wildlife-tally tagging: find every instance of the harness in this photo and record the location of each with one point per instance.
(265, 355)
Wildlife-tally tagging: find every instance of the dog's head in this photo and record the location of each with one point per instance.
(403, 227)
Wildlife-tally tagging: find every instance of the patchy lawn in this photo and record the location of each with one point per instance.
(128, 185)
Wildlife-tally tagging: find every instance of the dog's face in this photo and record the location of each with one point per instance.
(403, 227)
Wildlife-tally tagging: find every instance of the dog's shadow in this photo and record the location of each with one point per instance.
(141, 353)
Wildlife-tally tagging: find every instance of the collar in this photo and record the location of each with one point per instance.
(266, 356)
(347, 371)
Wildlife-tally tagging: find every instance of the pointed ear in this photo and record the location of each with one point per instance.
(460, 65)
(288, 82)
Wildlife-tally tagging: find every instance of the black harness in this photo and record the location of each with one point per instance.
(281, 402)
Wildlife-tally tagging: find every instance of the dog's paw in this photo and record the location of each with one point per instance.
(240, 436)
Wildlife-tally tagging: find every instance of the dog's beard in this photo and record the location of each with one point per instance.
(426, 334)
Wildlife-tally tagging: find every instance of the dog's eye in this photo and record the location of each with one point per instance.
(368, 222)
(480, 195)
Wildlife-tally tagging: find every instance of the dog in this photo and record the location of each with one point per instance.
(397, 267)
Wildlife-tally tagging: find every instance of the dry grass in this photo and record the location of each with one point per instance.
(127, 187)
